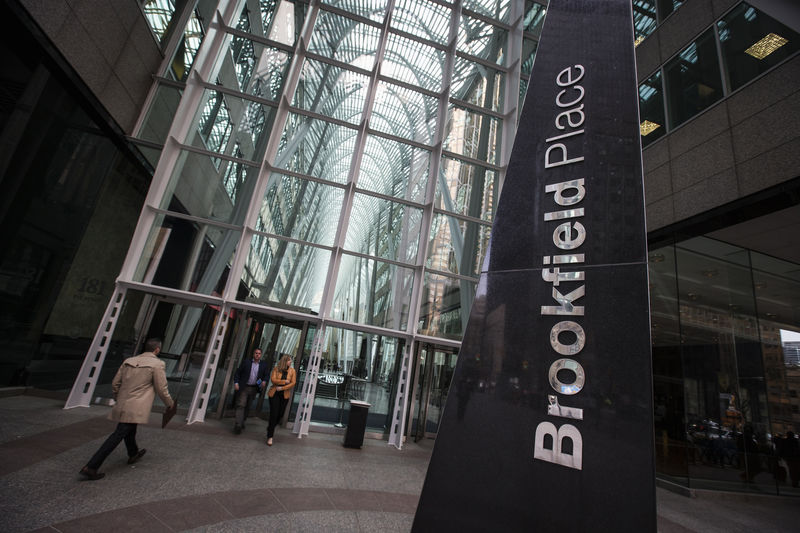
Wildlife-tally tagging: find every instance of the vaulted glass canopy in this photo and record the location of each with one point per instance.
(339, 161)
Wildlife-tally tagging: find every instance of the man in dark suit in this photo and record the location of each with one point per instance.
(250, 378)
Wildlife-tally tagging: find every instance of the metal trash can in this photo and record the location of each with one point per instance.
(357, 424)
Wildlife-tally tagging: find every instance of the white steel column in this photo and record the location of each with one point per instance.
(303, 417)
(401, 401)
(205, 382)
(85, 383)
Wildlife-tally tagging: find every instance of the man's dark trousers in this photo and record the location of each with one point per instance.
(124, 431)
(243, 401)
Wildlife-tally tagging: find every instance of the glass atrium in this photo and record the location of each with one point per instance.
(325, 179)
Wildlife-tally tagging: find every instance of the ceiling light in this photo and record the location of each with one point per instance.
(637, 41)
(657, 258)
(648, 127)
(766, 46)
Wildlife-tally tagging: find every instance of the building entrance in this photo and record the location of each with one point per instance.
(433, 373)
(275, 336)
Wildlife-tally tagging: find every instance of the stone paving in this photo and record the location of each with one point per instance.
(202, 477)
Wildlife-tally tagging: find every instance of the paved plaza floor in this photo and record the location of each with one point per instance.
(202, 477)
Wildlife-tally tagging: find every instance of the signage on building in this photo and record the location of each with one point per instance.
(548, 425)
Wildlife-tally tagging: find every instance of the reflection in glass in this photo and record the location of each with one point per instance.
(188, 256)
(651, 109)
(371, 9)
(693, 79)
(359, 366)
(495, 9)
(479, 39)
(725, 373)
(466, 189)
(644, 19)
(744, 28)
(211, 187)
(456, 245)
(155, 127)
(372, 292)
(478, 85)
(281, 273)
(443, 298)
(260, 70)
(473, 134)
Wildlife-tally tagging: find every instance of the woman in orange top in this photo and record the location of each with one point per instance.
(283, 379)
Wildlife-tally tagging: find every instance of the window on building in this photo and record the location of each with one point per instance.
(644, 19)
(651, 109)
(692, 79)
(752, 43)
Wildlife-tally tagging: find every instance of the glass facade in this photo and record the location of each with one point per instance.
(325, 184)
(726, 334)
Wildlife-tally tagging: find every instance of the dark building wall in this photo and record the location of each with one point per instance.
(110, 46)
(743, 144)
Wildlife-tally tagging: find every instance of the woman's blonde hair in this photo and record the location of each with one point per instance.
(283, 364)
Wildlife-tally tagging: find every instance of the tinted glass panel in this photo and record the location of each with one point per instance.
(651, 109)
(693, 79)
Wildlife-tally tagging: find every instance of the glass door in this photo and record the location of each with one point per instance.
(435, 367)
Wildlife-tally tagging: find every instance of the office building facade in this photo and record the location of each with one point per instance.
(319, 179)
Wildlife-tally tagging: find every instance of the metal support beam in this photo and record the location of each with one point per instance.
(398, 424)
(202, 392)
(85, 383)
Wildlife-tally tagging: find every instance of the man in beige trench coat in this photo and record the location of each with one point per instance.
(134, 388)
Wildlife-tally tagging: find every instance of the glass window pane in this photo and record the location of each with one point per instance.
(317, 148)
(752, 43)
(466, 189)
(331, 91)
(360, 366)
(666, 7)
(651, 109)
(260, 70)
(285, 274)
(672, 449)
(478, 85)
(371, 9)
(211, 187)
(473, 134)
(457, 245)
(404, 113)
(301, 209)
(394, 169)
(422, 18)
(529, 47)
(384, 229)
(345, 39)
(693, 80)
(413, 62)
(159, 117)
(534, 17)
(644, 19)
(372, 292)
(496, 9)
(477, 38)
(187, 49)
(232, 126)
(186, 255)
(444, 306)
(158, 14)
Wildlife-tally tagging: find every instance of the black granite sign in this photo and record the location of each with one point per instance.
(548, 425)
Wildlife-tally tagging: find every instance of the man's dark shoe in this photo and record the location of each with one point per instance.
(237, 429)
(133, 458)
(91, 474)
